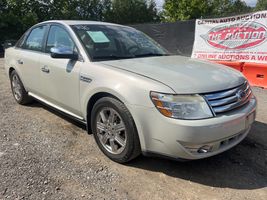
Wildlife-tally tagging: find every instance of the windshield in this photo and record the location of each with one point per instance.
(111, 42)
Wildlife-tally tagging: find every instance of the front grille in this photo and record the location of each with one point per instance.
(227, 100)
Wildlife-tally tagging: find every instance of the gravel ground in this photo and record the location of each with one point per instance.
(44, 155)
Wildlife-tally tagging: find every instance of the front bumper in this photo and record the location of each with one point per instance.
(192, 139)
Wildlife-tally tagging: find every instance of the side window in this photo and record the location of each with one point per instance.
(58, 37)
(35, 39)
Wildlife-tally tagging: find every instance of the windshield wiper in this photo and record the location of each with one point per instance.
(111, 57)
(150, 55)
(114, 57)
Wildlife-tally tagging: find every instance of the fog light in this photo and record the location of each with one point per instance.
(204, 149)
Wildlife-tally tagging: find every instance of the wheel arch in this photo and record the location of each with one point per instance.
(95, 97)
(100, 94)
(10, 70)
(91, 102)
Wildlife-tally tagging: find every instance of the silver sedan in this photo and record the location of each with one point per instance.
(130, 92)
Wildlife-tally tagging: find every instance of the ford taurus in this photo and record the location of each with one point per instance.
(130, 92)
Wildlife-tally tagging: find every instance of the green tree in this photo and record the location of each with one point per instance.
(223, 8)
(3, 5)
(184, 9)
(261, 5)
(15, 18)
(191, 9)
(240, 7)
(132, 11)
(73, 9)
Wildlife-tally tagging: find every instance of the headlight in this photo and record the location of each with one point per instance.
(181, 106)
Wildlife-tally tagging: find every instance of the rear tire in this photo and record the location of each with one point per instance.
(18, 90)
(114, 130)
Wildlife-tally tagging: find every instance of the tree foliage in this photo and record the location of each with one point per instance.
(192, 9)
(16, 16)
(133, 11)
(261, 5)
(184, 9)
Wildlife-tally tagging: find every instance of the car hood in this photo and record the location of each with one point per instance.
(184, 75)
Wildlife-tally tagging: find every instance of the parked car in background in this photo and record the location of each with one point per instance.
(6, 44)
(9, 43)
(132, 95)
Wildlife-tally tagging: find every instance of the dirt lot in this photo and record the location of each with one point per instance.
(44, 155)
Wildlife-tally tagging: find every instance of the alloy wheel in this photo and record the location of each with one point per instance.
(111, 130)
(16, 87)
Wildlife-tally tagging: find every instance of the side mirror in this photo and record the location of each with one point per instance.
(63, 52)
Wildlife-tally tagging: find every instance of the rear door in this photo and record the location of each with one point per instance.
(60, 77)
(28, 59)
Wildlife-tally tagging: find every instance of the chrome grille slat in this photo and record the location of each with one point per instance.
(230, 106)
(221, 95)
(247, 88)
(223, 101)
(227, 100)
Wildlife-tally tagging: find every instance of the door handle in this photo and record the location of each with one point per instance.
(20, 62)
(45, 69)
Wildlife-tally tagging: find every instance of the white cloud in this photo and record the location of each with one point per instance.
(251, 3)
(159, 3)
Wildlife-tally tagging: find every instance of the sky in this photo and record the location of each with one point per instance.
(251, 3)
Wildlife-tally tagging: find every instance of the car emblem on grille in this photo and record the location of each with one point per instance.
(240, 94)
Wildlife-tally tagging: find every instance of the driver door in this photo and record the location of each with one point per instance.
(60, 77)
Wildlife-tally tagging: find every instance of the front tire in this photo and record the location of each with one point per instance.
(18, 90)
(114, 130)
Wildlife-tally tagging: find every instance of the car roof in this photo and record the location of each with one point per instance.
(79, 22)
